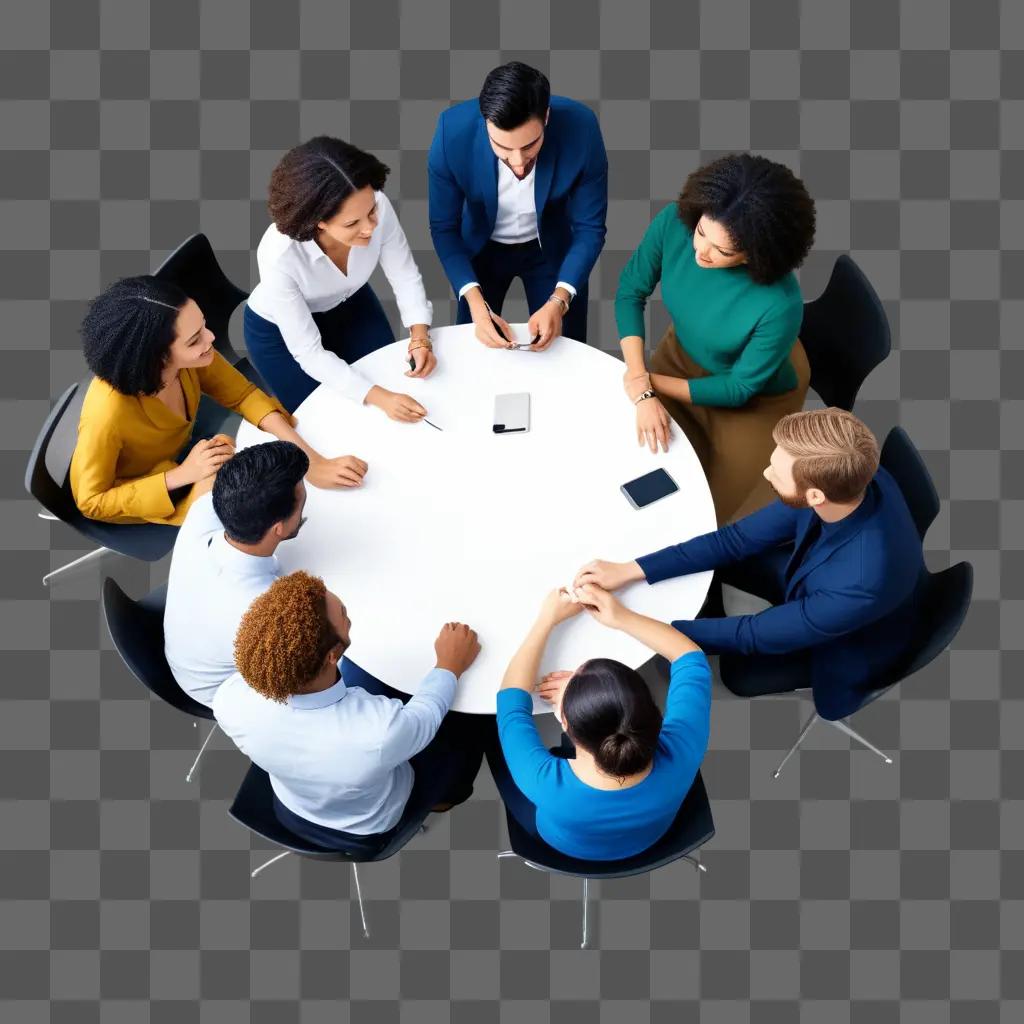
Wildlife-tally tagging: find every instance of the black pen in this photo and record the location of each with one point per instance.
(429, 424)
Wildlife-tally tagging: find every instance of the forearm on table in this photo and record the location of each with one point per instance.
(659, 636)
(524, 667)
(275, 423)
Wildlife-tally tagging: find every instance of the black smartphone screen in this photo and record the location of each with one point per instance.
(649, 488)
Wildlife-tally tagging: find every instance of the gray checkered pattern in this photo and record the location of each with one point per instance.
(847, 891)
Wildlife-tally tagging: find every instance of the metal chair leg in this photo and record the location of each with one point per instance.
(359, 896)
(91, 556)
(843, 727)
(696, 862)
(586, 904)
(792, 750)
(209, 736)
(273, 860)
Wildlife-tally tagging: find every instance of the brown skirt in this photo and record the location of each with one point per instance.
(733, 445)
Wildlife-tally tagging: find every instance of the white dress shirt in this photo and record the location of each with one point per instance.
(298, 279)
(515, 220)
(340, 757)
(210, 587)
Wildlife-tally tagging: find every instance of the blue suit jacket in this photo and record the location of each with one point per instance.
(849, 594)
(570, 189)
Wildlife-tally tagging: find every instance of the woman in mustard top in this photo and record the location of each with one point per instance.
(153, 358)
(731, 365)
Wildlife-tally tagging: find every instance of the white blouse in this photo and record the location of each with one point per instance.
(298, 279)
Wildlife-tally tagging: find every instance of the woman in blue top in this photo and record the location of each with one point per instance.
(619, 791)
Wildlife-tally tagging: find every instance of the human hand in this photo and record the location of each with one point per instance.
(557, 607)
(344, 471)
(545, 324)
(601, 605)
(551, 688)
(205, 458)
(652, 424)
(635, 384)
(424, 362)
(608, 575)
(456, 647)
(494, 331)
(403, 408)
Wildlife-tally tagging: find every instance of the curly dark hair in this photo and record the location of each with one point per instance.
(764, 206)
(285, 636)
(610, 712)
(128, 330)
(314, 179)
(255, 489)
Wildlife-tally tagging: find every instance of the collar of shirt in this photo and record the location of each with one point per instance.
(240, 563)
(320, 699)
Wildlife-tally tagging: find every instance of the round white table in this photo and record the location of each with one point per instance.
(463, 524)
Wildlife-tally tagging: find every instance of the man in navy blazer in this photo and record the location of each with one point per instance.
(519, 188)
(837, 555)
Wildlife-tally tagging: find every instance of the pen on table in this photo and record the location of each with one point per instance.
(429, 424)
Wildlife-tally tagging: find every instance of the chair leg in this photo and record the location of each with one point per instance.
(792, 750)
(209, 736)
(91, 556)
(586, 905)
(359, 896)
(843, 727)
(696, 862)
(273, 860)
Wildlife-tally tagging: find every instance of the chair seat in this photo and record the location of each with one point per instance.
(692, 827)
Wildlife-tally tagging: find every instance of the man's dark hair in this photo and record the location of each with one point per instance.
(514, 93)
(611, 714)
(762, 204)
(312, 181)
(128, 331)
(255, 488)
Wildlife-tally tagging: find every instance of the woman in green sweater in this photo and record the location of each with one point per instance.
(731, 365)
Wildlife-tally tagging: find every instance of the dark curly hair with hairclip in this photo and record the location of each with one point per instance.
(128, 331)
(764, 206)
(312, 181)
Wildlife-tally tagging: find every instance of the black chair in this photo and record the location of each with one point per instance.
(253, 807)
(902, 459)
(845, 334)
(692, 828)
(46, 480)
(945, 598)
(194, 268)
(137, 630)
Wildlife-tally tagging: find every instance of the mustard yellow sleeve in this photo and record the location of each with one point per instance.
(226, 386)
(98, 492)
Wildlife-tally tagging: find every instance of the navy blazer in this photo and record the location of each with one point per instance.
(570, 189)
(850, 592)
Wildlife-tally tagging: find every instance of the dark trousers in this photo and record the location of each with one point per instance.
(496, 266)
(444, 773)
(352, 329)
(521, 808)
(752, 675)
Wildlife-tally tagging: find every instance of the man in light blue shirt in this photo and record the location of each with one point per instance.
(347, 761)
(224, 557)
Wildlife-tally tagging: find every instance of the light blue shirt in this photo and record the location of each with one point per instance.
(340, 757)
(210, 587)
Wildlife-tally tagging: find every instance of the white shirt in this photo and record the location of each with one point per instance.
(298, 279)
(515, 219)
(339, 758)
(210, 587)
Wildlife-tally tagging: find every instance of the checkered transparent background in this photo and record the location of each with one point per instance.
(847, 891)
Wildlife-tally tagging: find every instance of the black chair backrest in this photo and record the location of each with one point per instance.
(945, 601)
(137, 630)
(902, 459)
(40, 479)
(193, 266)
(692, 827)
(845, 333)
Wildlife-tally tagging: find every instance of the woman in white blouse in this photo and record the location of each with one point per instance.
(313, 312)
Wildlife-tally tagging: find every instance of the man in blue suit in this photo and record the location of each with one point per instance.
(837, 555)
(519, 188)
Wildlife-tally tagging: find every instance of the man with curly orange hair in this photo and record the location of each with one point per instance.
(350, 760)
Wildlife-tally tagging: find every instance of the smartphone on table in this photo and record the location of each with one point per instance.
(649, 488)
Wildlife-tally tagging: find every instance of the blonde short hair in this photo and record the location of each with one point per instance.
(285, 636)
(834, 451)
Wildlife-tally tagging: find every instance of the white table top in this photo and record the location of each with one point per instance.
(466, 525)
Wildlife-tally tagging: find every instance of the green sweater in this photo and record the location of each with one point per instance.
(739, 331)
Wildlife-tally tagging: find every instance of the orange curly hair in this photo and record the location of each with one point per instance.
(285, 636)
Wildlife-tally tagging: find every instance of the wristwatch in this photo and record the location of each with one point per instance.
(646, 394)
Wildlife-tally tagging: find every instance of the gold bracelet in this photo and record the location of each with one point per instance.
(417, 343)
